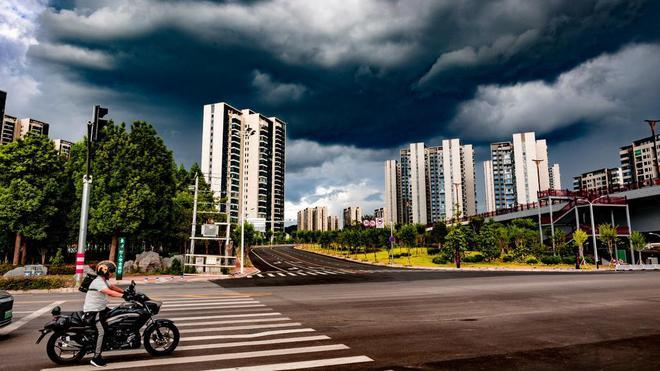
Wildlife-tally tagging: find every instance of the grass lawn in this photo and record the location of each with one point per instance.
(420, 258)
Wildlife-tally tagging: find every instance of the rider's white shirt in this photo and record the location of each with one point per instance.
(95, 300)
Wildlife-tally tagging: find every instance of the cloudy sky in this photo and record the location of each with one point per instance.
(354, 79)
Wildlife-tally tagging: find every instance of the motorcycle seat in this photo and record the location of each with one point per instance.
(78, 318)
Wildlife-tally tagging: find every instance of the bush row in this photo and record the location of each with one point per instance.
(34, 283)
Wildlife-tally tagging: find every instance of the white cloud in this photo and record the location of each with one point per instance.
(620, 87)
(274, 92)
(72, 55)
(335, 176)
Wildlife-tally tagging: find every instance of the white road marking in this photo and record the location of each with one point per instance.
(234, 328)
(259, 275)
(153, 361)
(229, 322)
(281, 274)
(245, 315)
(312, 273)
(270, 275)
(321, 272)
(226, 297)
(247, 336)
(234, 344)
(212, 304)
(302, 364)
(301, 273)
(205, 300)
(218, 307)
(18, 324)
(291, 274)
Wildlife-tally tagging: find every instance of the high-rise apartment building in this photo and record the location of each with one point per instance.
(637, 162)
(555, 177)
(333, 223)
(8, 129)
(379, 213)
(352, 216)
(313, 219)
(243, 161)
(3, 101)
(598, 180)
(63, 147)
(390, 212)
(433, 183)
(517, 171)
(29, 125)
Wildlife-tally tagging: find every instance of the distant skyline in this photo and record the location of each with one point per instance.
(354, 80)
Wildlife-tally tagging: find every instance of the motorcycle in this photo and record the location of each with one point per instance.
(74, 336)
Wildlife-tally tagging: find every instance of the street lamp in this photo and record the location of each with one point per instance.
(655, 146)
(457, 225)
(538, 180)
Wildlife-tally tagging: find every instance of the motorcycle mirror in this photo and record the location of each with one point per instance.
(56, 311)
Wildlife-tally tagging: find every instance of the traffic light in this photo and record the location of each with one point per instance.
(99, 123)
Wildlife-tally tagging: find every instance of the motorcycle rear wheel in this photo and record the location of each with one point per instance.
(164, 346)
(55, 343)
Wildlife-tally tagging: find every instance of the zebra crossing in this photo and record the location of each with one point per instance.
(319, 272)
(234, 332)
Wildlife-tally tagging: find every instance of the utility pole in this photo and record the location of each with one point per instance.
(655, 147)
(193, 228)
(538, 179)
(94, 132)
(457, 225)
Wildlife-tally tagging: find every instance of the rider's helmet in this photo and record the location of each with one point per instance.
(106, 267)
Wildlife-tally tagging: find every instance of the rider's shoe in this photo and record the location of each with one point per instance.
(98, 362)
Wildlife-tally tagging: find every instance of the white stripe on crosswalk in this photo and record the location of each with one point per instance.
(291, 274)
(235, 328)
(312, 273)
(229, 322)
(301, 273)
(270, 275)
(151, 362)
(234, 344)
(214, 307)
(321, 272)
(192, 298)
(247, 336)
(302, 364)
(177, 302)
(244, 315)
(259, 275)
(280, 274)
(211, 304)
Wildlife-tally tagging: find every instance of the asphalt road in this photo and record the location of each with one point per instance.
(392, 319)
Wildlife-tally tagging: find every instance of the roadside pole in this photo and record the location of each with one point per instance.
(242, 238)
(120, 258)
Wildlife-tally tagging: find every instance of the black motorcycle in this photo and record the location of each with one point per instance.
(74, 336)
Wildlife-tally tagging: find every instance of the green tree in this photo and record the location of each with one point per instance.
(639, 243)
(523, 234)
(456, 243)
(437, 235)
(31, 188)
(503, 238)
(408, 236)
(580, 237)
(249, 239)
(608, 236)
(488, 241)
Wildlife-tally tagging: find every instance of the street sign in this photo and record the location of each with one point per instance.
(380, 223)
(120, 257)
(372, 223)
(210, 230)
(259, 224)
(392, 239)
(365, 223)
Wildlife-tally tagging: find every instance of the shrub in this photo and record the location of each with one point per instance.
(531, 260)
(568, 259)
(4, 268)
(507, 258)
(189, 269)
(440, 260)
(34, 283)
(68, 269)
(58, 259)
(476, 258)
(589, 260)
(176, 268)
(550, 260)
(433, 251)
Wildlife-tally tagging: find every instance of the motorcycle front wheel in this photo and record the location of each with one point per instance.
(165, 343)
(62, 350)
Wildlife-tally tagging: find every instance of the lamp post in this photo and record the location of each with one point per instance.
(457, 225)
(655, 147)
(593, 227)
(538, 180)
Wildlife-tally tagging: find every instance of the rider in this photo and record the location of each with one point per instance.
(96, 302)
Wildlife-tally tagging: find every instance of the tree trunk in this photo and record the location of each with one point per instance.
(17, 248)
(113, 247)
(23, 252)
(581, 250)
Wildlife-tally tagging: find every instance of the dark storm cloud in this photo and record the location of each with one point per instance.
(332, 87)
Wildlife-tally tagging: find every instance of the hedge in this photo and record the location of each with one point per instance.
(34, 283)
(67, 269)
(4, 268)
(440, 260)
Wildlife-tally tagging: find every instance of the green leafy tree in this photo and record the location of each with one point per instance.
(437, 235)
(456, 243)
(408, 237)
(249, 239)
(488, 241)
(523, 234)
(580, 237)
(31, 188)
(639, 243)
(608, 236)
(503, 238)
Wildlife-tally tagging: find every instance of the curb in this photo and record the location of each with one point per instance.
(43, 291)
(473, 269)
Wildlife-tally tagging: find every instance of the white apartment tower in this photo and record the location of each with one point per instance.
(243, 161)
(352, 215)
(432, 183)
(390, 212)
(517, 171)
